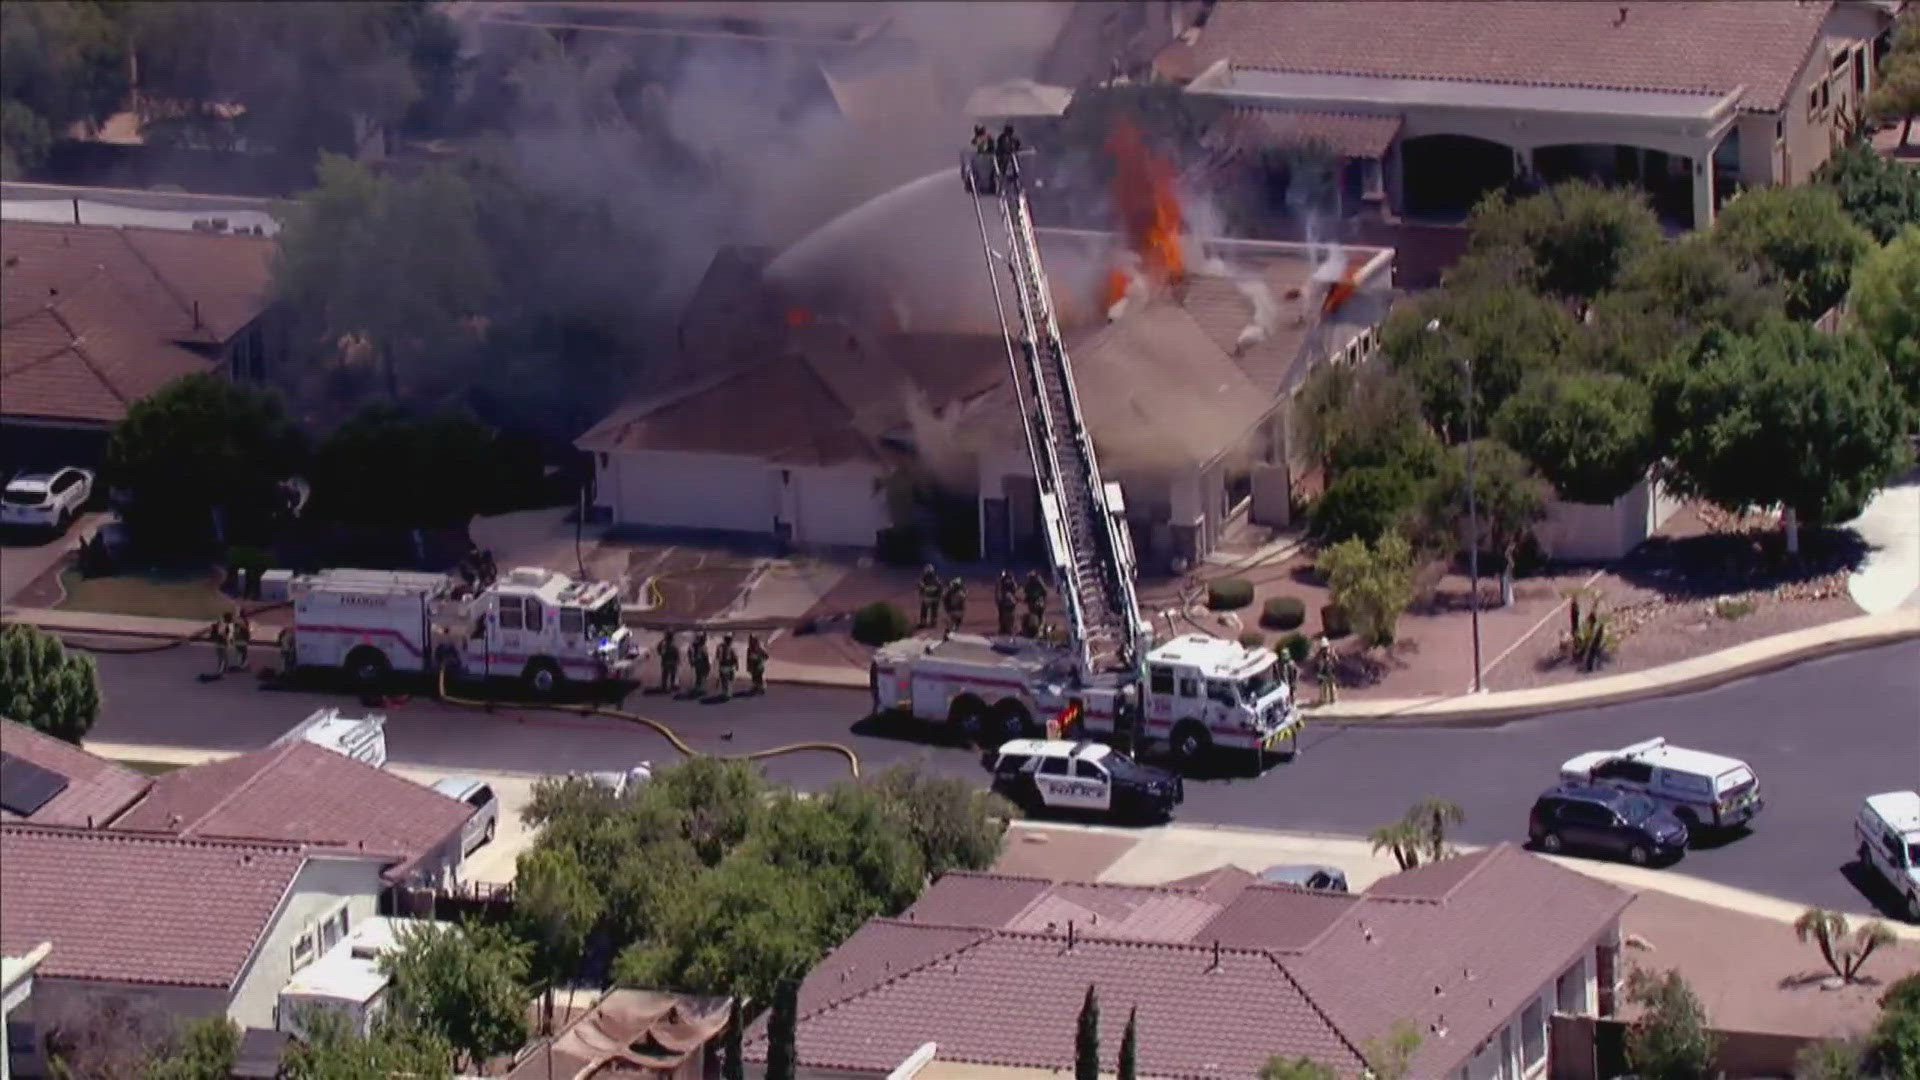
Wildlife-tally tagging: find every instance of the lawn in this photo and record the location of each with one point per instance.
(164, 596)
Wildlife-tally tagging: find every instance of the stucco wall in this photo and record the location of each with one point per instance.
(321, 886)
(1590, 532)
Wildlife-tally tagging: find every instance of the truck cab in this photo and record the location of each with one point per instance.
(549, 627)
(1202, 692)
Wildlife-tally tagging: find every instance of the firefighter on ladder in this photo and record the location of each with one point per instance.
(956, 602)
(929, 597)
(697, 659)
(1036, 591)
(1006, 597)
(757, 663)
(669, 650)
(727, 659)
(1005, 148)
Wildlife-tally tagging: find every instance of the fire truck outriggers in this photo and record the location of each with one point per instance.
(1192, 694)
(531, 624)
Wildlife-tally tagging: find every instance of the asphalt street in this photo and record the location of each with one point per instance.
(1821, 735)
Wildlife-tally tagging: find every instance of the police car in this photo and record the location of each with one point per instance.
(1084, 777)
(1703, 790)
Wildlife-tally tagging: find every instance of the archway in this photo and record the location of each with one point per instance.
(1667, 179)
(1444, 175)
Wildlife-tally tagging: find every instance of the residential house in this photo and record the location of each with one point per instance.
(48, 781)
(1432, 103)
(346, 979)
(94, 318)
(16, 987)
(301, 793)
(1474, 953)
(637, 1034)
(170, 925)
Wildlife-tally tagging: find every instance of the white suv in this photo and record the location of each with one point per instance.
(1703, 790)
(46, 501)
(1888, 828)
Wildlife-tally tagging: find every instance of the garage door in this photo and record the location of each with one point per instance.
(694, 491)
(841, 506)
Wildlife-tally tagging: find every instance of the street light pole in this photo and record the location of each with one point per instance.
(1473, 518)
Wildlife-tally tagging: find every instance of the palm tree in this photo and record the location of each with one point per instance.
(1845, 953)
(1403, 838)
(1432, 818)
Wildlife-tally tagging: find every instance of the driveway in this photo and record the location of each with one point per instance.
(24, 556)
(1890, 577)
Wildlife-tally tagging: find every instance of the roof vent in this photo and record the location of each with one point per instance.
(1621, 19)
(1439, 1026)
(246, 858)
(1366, 931)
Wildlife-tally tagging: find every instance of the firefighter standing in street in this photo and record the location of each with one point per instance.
(757, 663)
(221, 634)
(728, 661)
(929, 597)
(1036, 603)
(1323, 663)
(956, 605)
(1006, 597)
(669, 650)
(697, 659)
(242, 637)
(1290, 671)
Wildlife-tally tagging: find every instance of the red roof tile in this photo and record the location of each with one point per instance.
(97, 790)
(1277, 917)
(1672, 45)
(298, 791)
(140, 908)
(1347, 134)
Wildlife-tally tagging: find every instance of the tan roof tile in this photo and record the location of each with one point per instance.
(97, 790)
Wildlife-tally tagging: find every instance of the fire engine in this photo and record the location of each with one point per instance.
(1192, 694)
(532, 624)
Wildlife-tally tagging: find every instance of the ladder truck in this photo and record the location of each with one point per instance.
(1191, 695)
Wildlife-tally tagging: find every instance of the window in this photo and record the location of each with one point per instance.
(1580, 813)
(333, 928)
(1570, 993)
(302, 952)
(573, 621)
(481, 796)
(1533, 1035)
(1012, 763)
(1189, 687)
(64, 481)
(512, 615)
(535, 613)
(1087, 770)
(1221, 690)
(1053, 766)
(1160, 679)
(1633, 772)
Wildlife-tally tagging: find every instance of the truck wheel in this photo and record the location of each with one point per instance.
(1011, 720)
(968, 719)
(1190, 743)
(543, 677)
(367, 667)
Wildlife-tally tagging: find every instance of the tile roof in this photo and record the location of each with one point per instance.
(94, 317)
(630, 1033)
(139, 907)
(1671, 45)
(97, 790)
(1351, 135)
(300, 792)
(1277, 917)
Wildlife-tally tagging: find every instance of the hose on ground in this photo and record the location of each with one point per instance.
(673, 738)
(205, 633)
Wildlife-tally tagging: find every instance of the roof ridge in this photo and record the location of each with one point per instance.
(187, 308)
(1486, 856)
(1325, 1017)
(75, 345)
(152, 836)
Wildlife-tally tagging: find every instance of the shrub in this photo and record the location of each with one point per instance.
(1334, 622)
(898, 545)
(1253, 639)
(1295, 646)
(878, 623)
(1283, 613)
(1363, 502)
(1229, 594)
(1371, 584)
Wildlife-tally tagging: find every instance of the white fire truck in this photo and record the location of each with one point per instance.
(531, 624)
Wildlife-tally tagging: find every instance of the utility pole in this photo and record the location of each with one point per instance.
(1473, 518)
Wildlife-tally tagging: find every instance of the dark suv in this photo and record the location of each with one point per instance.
(1597, 817)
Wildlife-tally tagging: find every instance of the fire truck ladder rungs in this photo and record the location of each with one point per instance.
(1091, 552)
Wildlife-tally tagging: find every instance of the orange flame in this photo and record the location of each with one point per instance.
(1118, 282)
(1343, 289)
(1148, 204)
(799, 317)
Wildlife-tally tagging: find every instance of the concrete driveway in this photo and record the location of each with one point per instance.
(24, 556)
(492, 862)
(1890, 577)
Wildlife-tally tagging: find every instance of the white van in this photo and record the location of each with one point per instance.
(1888, 828)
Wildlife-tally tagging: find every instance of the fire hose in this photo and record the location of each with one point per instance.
(205, 633)
(673, 738)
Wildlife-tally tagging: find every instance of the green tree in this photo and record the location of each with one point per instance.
(1893, 1046)
(715, 803)
(1300, 1068)
(1421, 833)
(1506, 333)
(1363, 416)
(783, 1052)
(44, 686)
(733, 1064)
(555, 907)
(1885, 304)
(204, 1049)
(466, 985)
(1577, 237)
(61, 62)
(1830, 1059)
(1670, 1039)
(197, 445)
(955, 825)
(395, 268)
(1736, 420)
(331, 1050)
(1589, 434)
(1845, 952)
(435, 470)
(1509, 500)
(1363, 504)
(848, 841)
(1896, 94)
(1129, 1065)
(1086, 1038)
(744, 927)
(1800, 237)
(1390, 1057)
(1373, 582)
(1668, 295)
(1881, 194)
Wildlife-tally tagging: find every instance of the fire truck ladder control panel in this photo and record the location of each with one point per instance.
(1082, 517)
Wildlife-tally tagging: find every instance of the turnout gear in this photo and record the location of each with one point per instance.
(489, 573)
(757, 663)
(956, 604)
(1006, 598)
(669, 651)
(929, 597)
(728, 661)
(222, 635)
(242, 637)
(982, 142)
(1036, 599)
(698, 660)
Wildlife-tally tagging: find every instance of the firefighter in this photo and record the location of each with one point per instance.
(728, 661)
(489, 573)
(1324, 669)
(982, 142)
(1290, 671)
(242, 637)
(669, 650)
(929, 597)
(757, 663)
(697, 659)
(1005, 148)
(956, 601)
(221, 634)
(1006, 597)
(1036, 601)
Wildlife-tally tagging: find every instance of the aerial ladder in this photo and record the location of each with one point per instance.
(1082, 516)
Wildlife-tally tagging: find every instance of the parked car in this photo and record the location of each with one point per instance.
(1888, 828)
(1306, 876)
(1058, 774)
(46, 500)
(1705, 791)
(619, 784)
(479, 795)
(1603, 818)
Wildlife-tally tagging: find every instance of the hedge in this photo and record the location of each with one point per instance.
(880, 622)
(1296, 646)
(1229, 594)
(1283, 613)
